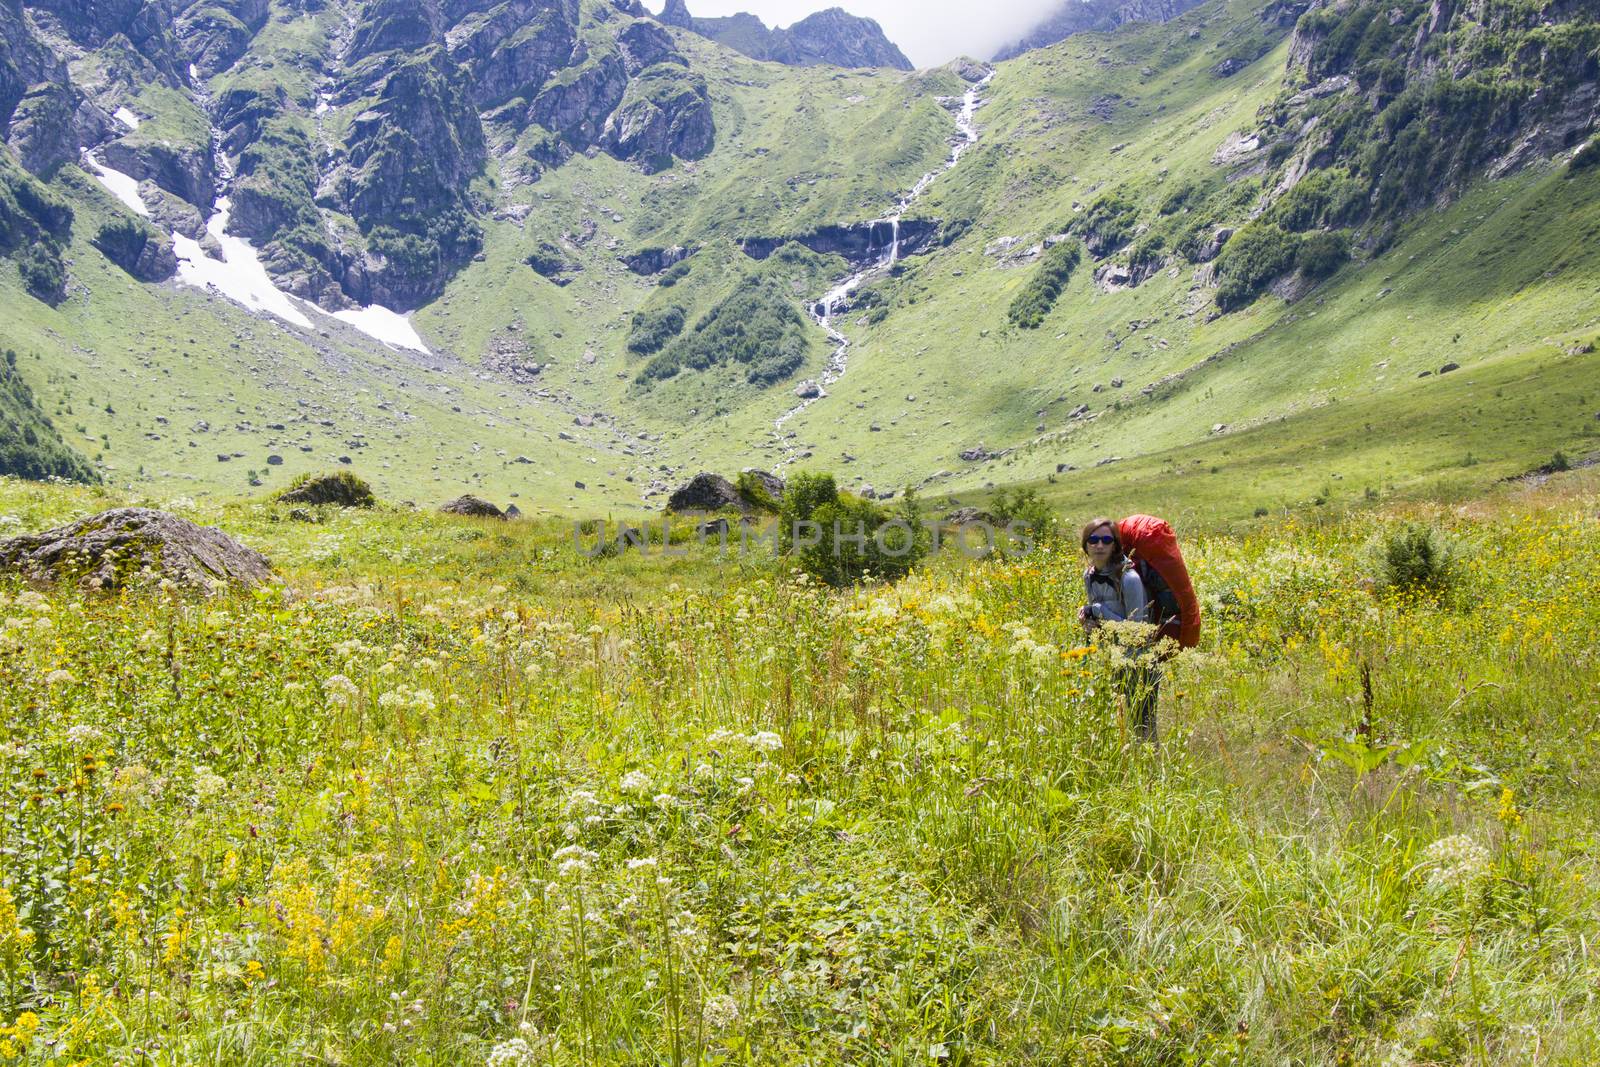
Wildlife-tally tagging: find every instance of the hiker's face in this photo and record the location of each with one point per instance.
(1101, 544)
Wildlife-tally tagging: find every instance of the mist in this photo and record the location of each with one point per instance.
(930, 32)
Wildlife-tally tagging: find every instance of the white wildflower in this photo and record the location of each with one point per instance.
(766, 741)
(206, 783)
(642, 863)
(83, 734)
(59, 677)
(339, 690)
(666, 801)
(513, 1053)
(721, 1011)
(1457, 861)
(635, 782)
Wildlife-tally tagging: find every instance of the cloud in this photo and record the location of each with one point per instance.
(930, 32)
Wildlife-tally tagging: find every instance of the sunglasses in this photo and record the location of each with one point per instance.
(1102, 539)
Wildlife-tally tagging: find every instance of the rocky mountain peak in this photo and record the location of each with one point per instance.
(1092, 16)
(827, 38)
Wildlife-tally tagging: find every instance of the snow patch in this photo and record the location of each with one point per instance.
(125, 187)
(239, 275)
(382, 324)
(126, 117)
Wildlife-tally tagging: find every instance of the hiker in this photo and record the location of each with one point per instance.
(1117, 593)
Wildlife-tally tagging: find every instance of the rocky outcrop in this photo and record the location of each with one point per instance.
(665, 113)
(836, 38)
(577, 105)
(410, 159)
(43, 116)
(861, 243)
(118, 548)
(340, 489)
(833, 37)
(1092, 16)
(473, 507)
(215, 33)
(186, 171)
(513, 48)
(137, 249)
(651, 261)
(1388, 108)
(705, 492)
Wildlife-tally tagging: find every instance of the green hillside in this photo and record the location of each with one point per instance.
(1204, 366)
(31, 445)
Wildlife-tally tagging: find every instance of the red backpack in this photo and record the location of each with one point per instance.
(1151, 546)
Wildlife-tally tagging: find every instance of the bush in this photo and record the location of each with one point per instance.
(1025, 508)
(753, 491)
(43, 272)
(757, 325)
(1321, 254)
(674, 274)
(652, 330)
(339, 487)
(1030, 307)
(1416, 558)
(842, 539)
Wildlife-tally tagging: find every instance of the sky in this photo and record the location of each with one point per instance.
(929, 32)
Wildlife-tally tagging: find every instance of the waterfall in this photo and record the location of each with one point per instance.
(824, 309)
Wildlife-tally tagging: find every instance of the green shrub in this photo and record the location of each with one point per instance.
(841, 539)
(674, 274)
(1415, 557)
(43, 272)
(343, 488)
(1027, 509)
(1584, 158)
(1321, 254)
(1252, 258)
(757, 325)
(652, 330)
(1033, 304)
(753, 491)
(1107, 224)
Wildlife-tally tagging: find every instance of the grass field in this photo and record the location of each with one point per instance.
(451, 793)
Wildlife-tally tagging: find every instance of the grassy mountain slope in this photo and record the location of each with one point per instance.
(30, 444)
(1141, 143)
(1503, 279)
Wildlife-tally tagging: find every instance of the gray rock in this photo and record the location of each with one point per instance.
(473, 507)
(705, 492)
(112, 549)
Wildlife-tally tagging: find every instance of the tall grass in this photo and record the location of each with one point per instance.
(405, 808)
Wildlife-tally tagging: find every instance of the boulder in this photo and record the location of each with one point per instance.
(705, 492)
(970, 517)
(473, 507)
(112, 549)
(342, 488)
(773, 484)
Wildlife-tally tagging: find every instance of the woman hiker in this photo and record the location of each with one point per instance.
(1117, 594)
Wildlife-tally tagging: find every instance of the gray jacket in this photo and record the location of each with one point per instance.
(1116, 597)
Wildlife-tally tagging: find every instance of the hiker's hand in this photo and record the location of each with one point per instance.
(1083, 614)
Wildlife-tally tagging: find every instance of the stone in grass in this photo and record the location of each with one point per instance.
(340, 488)
(116, 548)
(473, 507)
(705, 492)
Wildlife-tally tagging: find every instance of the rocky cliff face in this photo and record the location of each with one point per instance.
(1392, 105)
(1093, 16)
(828, 38)
(379, 211)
